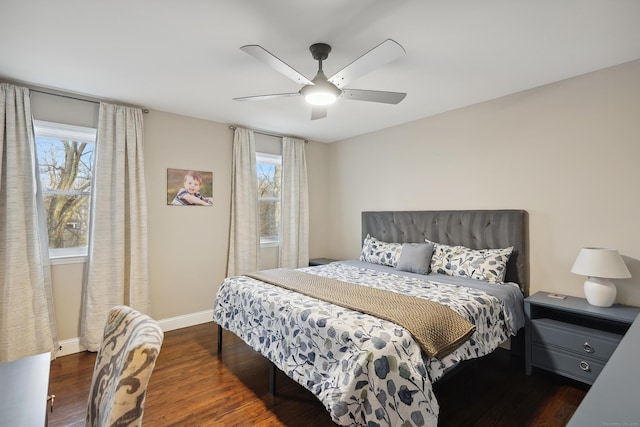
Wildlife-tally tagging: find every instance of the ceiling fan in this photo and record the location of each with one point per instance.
(322, 91)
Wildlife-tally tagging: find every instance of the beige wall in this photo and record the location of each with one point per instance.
(568, 153)
(187, 245)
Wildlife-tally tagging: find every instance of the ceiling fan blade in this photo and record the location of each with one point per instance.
(318, 112)
(274, 62)
(373, 96)
(266, 97)
(382, 54)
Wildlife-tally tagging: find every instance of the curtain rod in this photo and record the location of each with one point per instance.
(232, 127)
(93, 101)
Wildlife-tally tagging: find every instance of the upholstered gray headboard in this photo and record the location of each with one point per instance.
(475, 229)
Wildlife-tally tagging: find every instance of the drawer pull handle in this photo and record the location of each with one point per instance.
(587, 347)
(585, 366)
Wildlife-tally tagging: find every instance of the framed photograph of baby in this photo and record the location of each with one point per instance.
(189, 187)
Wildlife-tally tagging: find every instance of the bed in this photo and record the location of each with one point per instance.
(368, 370)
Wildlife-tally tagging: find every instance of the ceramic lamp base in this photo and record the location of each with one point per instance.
(600, 292)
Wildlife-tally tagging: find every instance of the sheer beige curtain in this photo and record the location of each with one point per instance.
(244, 240)
(117, 267)
(27, 319)
(294, 240)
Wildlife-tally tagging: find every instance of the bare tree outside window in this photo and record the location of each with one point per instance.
(269, 172)
(65, 162)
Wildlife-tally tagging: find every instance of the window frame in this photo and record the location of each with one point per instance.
(56, 130)
(273, 159)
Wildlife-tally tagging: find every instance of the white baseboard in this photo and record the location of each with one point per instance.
(72, 345)
(186, 320)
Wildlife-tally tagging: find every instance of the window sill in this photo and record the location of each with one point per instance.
(71, 259)
(269, 245)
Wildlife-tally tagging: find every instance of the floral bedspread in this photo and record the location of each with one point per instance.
(366, 371)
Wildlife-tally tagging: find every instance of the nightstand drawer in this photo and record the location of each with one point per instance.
(570, 365)
(579, 339)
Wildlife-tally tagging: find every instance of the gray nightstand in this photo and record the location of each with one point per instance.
(571, 337)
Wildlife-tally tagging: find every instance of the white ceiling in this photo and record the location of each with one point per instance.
(184, 57)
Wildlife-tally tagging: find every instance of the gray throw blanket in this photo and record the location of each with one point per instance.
(436, 328)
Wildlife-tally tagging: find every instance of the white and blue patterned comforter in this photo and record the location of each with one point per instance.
(366, 371)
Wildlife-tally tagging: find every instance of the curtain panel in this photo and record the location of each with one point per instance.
(117, 269)
(294, 243)
(244, 239)
(27, 318)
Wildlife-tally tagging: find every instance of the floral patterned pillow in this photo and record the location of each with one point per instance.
(378, 252)
(460, 261)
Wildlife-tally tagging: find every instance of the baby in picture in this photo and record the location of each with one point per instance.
(189, 194)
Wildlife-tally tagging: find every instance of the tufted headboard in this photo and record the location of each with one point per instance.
(475, 229)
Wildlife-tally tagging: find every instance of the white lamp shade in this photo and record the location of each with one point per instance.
(600, 262)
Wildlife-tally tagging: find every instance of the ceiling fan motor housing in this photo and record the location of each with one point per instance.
(320, 51)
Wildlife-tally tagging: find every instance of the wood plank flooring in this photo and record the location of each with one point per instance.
(192, 385)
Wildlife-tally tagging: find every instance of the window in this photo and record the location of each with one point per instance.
(65, 156)
(269, 168)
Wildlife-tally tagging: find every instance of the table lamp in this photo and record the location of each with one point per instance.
(600, 265)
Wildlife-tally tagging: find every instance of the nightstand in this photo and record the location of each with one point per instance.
(571, 337)
(320, 261)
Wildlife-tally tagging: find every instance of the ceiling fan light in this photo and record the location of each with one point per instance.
(321, 92)
(320, 98)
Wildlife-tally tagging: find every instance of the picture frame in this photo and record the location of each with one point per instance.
(189, 187)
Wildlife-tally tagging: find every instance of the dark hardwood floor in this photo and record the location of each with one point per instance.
(192, 385)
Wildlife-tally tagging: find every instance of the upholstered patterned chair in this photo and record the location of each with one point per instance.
(123, 367)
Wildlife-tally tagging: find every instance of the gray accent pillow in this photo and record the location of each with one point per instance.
(415, 257)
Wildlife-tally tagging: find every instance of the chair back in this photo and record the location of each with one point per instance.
(127, 356)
